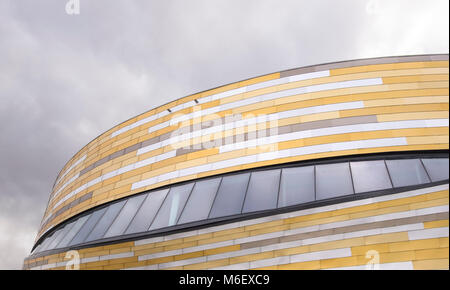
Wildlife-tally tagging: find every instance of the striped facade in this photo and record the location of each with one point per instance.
(394, 105)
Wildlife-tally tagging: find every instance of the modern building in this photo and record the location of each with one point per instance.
(341, 165)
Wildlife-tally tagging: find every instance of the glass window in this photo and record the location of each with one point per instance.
(67, 229)
(73, 231)
(37, 249)
(62, 233)
(173, 205)
(297, 186)
(141, 222)
(88, 226)
(200, 201)
(437, 168)
(125, 216)
(56, 238)
(230, 195)
(47, 241)
(370, 176)
(262, 191)
(103, 224)
(333, 180)
(406, 172)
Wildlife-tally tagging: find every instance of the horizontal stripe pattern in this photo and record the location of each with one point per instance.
(94, 177)
(408, 230)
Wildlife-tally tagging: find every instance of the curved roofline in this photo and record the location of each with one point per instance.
(444, 55)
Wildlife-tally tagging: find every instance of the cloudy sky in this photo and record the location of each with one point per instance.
(64, 79)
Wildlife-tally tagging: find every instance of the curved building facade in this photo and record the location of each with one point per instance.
(341, 165)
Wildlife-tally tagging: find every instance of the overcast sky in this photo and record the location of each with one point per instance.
(64, 79)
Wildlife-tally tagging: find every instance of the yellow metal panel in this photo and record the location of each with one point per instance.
(383, 238)
(188, 256)
(346, 243)
(417, 78)
(427, 140)
(252, 257)
(412, 116)
(436, 224)
(221, 250)
(434, 264)
(379, 67)
(292, 251)
(310, 265)
(207, 265)
(405, 101)
(338, 262)
(429, 254)
(393, 109)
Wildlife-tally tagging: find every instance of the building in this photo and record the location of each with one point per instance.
(339, 165)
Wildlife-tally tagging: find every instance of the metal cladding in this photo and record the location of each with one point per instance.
(308, 168)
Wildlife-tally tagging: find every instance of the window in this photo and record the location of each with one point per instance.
(68, 227)
(406, 172)
(437, 168)
(125, 216)
(144, 217)
(58, 239)
(200, 201)
(333, 180)
(230, 195)
(262, 191)
(297, 186)
(370, 176)
(73, 231)
(106, 220)
(88, 226)
(173, 205)
(49, 240)
(242, 193)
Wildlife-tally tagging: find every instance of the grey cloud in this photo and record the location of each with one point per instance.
(66, 79)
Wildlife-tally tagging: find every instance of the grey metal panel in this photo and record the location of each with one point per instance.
(413, 58)
(150, 141)
(362, 62)
(133, 147)
(297, 71)
(354, 120)
(102, 161)
(284, 130)
(182, 151)
(439, 57)
(84, 170)
(165, 136)
(117, 154)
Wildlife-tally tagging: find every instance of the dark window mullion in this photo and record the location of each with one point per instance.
(215, 197)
